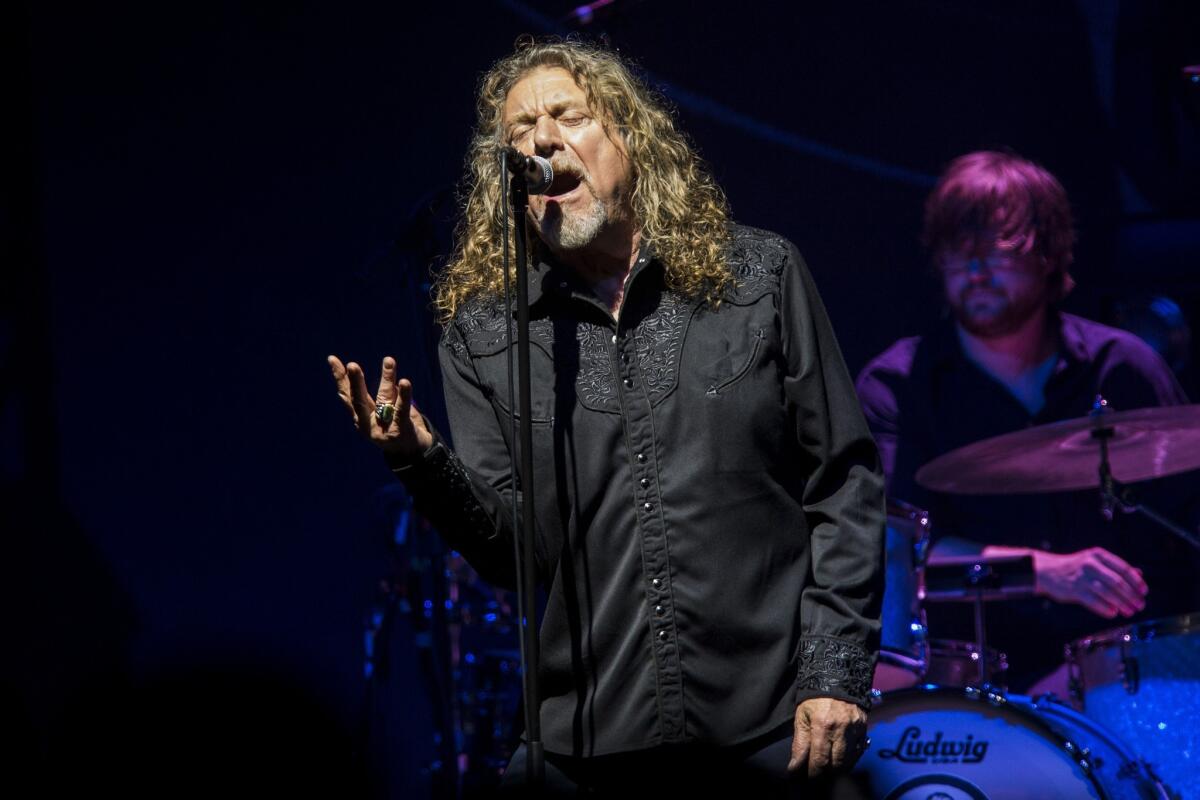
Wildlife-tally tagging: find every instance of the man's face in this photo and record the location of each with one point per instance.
(993, 293)
(547, 114)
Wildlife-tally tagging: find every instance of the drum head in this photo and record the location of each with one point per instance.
(940, 743)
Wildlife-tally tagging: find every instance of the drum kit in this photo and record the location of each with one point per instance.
(944, 725)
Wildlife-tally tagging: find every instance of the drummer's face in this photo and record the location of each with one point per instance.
(993, 292)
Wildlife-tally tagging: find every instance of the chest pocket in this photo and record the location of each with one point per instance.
(734, 364)
(729, 347)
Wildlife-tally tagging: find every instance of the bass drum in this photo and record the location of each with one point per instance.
(954, 744)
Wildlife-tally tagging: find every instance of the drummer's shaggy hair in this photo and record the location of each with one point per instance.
(682, 212)
(990, 198)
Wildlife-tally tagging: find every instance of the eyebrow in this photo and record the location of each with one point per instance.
(554, 108)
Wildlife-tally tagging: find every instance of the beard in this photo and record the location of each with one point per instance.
(988, 313)
(569, 227)
(573, 230)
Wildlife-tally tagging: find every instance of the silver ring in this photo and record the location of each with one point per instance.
(384, 412)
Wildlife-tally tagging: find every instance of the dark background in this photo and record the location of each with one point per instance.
(203, 200)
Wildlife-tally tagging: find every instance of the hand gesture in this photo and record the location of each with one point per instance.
(829, 735)
(1101, 582)
(389, 420)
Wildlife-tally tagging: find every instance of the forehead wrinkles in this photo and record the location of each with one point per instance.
(546, 89)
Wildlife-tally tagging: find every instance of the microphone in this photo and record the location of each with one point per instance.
(536, 171)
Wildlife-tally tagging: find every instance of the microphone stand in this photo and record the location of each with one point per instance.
(535, 764)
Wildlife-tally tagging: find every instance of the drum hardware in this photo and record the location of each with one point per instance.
(1115, 495)
(956, 663)
(979, 579)
(1129, 672)
(993, 696)
(958, 579)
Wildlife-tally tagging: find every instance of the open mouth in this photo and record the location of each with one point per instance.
(564, 183)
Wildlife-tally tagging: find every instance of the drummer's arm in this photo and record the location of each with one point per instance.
(1100, 581)
(950, 546)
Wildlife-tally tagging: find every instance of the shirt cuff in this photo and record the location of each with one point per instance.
(837, 668)
(403, 466)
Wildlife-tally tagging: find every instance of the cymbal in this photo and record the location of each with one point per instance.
(1145, 443)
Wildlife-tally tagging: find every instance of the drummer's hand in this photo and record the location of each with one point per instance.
(406, 435)
(1096, 579)
(829, 734)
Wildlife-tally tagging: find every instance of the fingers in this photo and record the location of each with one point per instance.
(1107, 582)
(342, 381)
(839, 747)
(800, 736)
(1130, 574)
(1095, 601)
(404, 406)
(364, 404)
(820, 749)
(387, 382)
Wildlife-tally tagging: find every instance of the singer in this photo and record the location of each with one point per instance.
(709, 496)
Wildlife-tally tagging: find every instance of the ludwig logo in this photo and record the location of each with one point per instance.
(912, 749)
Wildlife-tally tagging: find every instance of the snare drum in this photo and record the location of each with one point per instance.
(955, 663)
(955, 744)
(901, 661)
(1141, 681)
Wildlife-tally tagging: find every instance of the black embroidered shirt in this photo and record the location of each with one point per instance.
(709, 500)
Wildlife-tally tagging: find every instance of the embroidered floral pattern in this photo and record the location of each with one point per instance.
(835, 666)
(757, 259)
(657, 343)
(481, 323)
(596, 382)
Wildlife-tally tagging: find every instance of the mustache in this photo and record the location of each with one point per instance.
(977, 291)
(568, 165)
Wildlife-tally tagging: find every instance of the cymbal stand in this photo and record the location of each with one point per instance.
(1116, 496)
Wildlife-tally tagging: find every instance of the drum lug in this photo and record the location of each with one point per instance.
(993, 694)
(1075, 687)
(1130, 677)
(1082, 755)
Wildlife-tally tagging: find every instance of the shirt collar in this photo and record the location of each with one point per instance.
(549, 277)
(1074, 340)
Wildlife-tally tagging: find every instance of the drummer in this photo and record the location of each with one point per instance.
(998, 228)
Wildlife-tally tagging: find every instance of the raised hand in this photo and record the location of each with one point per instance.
(389, 419)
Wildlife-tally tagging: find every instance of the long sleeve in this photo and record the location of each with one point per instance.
(843, 502)
(469, 505)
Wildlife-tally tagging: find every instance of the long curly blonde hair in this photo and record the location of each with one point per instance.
(681, 210)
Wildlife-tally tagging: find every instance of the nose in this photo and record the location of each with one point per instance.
(547, 137)
(978, 271)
